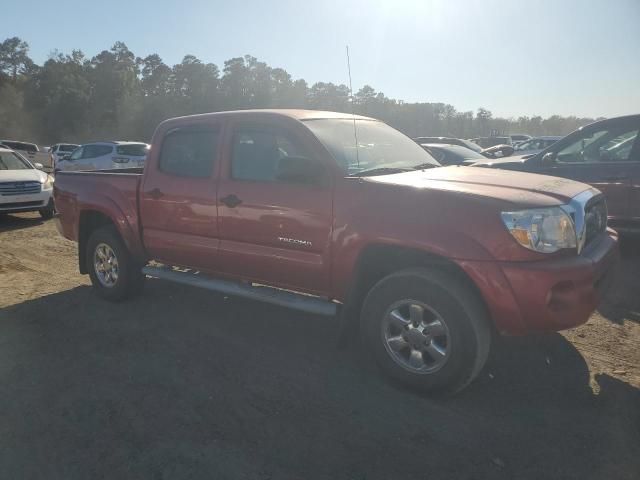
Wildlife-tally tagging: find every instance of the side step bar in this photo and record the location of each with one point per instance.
(276, 296)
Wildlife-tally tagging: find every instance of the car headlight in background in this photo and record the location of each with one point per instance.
(48, 183)
(545, 230)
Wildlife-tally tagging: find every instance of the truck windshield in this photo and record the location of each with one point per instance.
(380, 147)
(11, 161)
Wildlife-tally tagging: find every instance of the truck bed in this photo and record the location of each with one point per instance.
(103, 191)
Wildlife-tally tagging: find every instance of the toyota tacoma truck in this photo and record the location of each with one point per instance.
(335, 214)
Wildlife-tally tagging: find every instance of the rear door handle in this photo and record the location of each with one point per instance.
(156, 193)
(231, 201)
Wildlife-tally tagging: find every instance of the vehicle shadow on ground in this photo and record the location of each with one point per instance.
(622, 301)
(183, 383)
(11, 222)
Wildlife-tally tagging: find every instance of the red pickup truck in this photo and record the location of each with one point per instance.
(337, 214)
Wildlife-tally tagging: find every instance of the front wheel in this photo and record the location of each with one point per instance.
(114, 273)
(47, 212)
(426, 329)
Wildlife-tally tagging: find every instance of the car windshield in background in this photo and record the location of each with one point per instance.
(25, 147)
(67, 148)
(11, 161)
(472, 146)
(379, 145)
(133, 150)
(465, 153)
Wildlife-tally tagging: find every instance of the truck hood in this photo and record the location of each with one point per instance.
(528, 189)
(27, 175)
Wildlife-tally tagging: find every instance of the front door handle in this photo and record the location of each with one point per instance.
(231, 201)
(156, 193)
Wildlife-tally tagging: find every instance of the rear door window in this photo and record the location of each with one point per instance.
(101, 150)
(189, 152)
(94, 151)
(66, 148)
(133, 150)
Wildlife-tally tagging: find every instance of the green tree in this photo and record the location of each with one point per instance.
(14, 58)
(117, 95)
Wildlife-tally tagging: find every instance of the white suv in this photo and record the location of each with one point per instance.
(23, 188)
(105, 156)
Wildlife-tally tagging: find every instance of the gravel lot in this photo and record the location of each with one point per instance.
(183, 383)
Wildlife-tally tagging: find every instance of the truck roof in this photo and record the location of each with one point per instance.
(297, 114)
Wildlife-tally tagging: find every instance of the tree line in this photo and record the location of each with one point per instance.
(117, 95)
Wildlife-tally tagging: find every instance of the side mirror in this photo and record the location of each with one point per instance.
(300, 170)
(548, 159)
(39, 166)
(66, 156)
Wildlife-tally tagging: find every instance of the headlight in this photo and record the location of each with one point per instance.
(545, 230)
(48, 183)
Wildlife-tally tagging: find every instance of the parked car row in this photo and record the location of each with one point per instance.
(605, 154)
(25, 185)
(90, 156)
(104, 156)
(427, 262)
(495, 151)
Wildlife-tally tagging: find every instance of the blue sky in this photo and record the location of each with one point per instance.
(513, 57)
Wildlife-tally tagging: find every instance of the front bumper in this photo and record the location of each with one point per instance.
(549, 295)
(25, 203)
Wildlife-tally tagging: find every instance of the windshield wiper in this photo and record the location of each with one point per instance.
(380, 171)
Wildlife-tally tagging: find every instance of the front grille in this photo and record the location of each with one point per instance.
(8, 189)
(595, 218)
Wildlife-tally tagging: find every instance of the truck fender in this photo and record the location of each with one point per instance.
(109, 209)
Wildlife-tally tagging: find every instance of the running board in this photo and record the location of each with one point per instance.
(276, 296)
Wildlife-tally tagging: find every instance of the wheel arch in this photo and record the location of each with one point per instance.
(377, 261)
(89, 221)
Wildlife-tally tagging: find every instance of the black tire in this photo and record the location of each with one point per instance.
(448, 300)
(130, 279)
(47, 212)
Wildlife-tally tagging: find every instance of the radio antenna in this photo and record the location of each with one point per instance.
(353, 108)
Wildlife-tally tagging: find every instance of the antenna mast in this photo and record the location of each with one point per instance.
(353, 111)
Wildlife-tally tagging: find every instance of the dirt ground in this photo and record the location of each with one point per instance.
(182, 383)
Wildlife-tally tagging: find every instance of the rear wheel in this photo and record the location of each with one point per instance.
(426, 329)
(114, 273)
